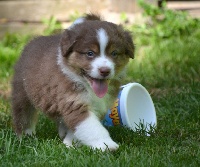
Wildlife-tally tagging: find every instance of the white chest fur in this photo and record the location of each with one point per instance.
(99, 106)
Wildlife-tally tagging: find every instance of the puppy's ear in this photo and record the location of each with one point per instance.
(130, 47)
(67, 42)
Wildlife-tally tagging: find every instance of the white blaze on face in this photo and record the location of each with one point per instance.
(99, 83)
(102, 60)
(103, 40)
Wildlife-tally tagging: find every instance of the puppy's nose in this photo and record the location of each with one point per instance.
(104, 71)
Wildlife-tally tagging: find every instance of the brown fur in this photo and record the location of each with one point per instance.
(39, 83)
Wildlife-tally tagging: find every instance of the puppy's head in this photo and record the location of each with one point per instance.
(96, 50)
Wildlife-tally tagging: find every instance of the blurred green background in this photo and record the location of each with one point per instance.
(166, 62)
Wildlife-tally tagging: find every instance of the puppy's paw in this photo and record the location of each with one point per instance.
(67, 142)
(72, 143)
(30, 131)
(104, 144)
(70, 140)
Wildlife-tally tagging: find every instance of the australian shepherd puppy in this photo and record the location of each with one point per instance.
(74, 78)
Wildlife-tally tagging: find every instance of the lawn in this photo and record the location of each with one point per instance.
(166, 63)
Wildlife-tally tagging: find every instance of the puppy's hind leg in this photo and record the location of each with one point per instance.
(32, 118)
(24, 118)
(24, 114)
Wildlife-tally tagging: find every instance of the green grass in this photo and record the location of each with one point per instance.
(168, 63)
(167, 67)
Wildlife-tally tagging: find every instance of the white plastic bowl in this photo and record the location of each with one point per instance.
(133, 107)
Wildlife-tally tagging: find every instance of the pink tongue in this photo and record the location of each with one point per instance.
(100, 87)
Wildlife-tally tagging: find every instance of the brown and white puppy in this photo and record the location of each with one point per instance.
(73, 77)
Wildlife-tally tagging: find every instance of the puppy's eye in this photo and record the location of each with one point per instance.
(114, 54)
(90, 54)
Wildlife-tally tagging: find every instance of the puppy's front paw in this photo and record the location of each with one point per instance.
(67, 142)
(104, 144)
(91, 133)
(69, 138)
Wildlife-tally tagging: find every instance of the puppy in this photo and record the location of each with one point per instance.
(73, 77)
